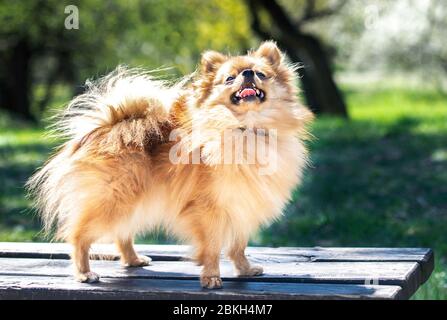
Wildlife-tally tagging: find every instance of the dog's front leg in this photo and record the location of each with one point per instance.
(210, 275)
(208, 238)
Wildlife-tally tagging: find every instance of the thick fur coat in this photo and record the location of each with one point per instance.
(141, 153)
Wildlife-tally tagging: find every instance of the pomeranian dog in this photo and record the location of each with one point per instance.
(142, 153)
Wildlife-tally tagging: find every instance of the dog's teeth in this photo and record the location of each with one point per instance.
(257, 92)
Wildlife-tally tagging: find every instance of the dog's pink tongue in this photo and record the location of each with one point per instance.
(247, 92)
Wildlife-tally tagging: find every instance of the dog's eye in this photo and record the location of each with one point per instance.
(229, 80)
(260, 75)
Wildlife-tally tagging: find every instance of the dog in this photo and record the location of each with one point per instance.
(141, 153)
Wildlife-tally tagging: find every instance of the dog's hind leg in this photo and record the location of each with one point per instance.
(129, 257)
(241, 264)
(83, 231)
(80, 257)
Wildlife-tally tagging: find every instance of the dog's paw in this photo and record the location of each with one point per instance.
(211, 282)
(87, 277)
(252, 271)
(140, 261)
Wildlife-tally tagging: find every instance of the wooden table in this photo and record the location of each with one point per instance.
(43, 271)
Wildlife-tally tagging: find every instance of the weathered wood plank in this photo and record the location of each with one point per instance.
(28, 287)
(403, 274)
(103, 251)
(424, 257)
(285, 262)
(281, 254)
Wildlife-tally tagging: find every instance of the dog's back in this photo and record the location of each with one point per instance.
(118, 173)
(110, 131)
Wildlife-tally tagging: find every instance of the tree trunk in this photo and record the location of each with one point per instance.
(16, 81)
(320, 90)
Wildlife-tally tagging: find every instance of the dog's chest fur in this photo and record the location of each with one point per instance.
(251, 198)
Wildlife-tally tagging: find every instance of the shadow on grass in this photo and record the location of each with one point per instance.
(369, 185)
(17, 163)
(18, 219)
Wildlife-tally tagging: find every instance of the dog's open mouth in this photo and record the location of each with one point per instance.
(248, 92)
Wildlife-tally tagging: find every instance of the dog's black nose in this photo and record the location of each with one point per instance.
(248, 73)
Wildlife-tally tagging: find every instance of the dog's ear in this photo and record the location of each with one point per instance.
(211, 61)
(269, 50)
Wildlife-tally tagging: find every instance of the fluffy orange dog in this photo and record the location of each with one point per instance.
(141, 153)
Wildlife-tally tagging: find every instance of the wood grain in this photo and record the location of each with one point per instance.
(404, 268)
(404, 274)
(26, 287)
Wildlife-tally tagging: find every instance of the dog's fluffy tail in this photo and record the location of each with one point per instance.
(128, 104)
(121, 95)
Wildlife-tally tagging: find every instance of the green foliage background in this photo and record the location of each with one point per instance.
(378, 179)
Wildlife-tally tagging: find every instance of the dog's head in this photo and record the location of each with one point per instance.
(256, 86)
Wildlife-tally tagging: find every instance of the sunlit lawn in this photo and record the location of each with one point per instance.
(379, 179)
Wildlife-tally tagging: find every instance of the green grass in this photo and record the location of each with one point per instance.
(22, 150)
(379, 179)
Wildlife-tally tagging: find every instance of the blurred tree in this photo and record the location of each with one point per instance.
(285, 23)
(29, 32)
(402, 41)
(38, 52)
(407, 36)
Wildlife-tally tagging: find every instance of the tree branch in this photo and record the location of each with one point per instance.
(311, 14)
(309, 8)
(256, 23)
(284, 21)
(278, 14)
